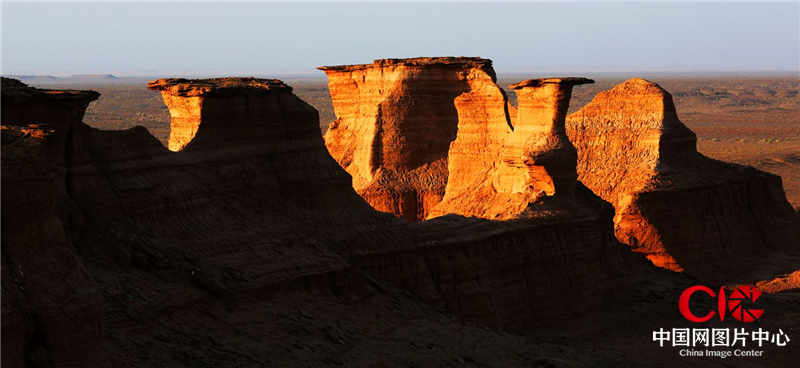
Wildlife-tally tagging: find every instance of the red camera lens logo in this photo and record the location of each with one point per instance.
(743, 293)
(733, 303)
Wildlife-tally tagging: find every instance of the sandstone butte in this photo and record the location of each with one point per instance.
(249, 246)
(395, 121)
(684, 211)
(518, 171)
(671, 203)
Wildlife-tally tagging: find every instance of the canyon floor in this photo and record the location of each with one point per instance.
(752, 121)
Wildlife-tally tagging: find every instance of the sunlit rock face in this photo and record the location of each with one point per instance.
(537, 155)
(679, 208)
(500, 171)
(396, 119)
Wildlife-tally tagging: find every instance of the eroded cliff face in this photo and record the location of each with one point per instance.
(524, 170)
(59, 108)
(226, 118)
(682, 210)
(52, 309)
(395, 121)
(206, 111)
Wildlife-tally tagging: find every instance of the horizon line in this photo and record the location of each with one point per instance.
(320, 74)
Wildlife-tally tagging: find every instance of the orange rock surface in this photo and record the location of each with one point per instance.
(513, 167)
(681, 209)
(395, 121)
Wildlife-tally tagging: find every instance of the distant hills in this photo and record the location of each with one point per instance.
(94, 76)
(75, 79)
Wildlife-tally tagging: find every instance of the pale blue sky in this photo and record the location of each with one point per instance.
(279, 38)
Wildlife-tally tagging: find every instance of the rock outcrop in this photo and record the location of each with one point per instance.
(52, 309)
(395, 122)
(413, 132)
(25, 105)
(515, 167)
(216, 108)
(239, 117)
(682, 210)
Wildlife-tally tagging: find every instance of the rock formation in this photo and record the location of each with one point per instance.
(52, 310)
(24, 105)
(245, 116)
(395, 121)
(219, 105)
(539, 143)
(406, 127)
(517, 166)
(156, 245)
(682, 210)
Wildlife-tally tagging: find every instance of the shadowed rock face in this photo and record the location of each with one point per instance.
(52, 309)
(109, 225)
(395, 121)
(26, 105)
(683, 210)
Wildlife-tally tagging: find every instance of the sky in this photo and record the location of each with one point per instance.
(268, 38)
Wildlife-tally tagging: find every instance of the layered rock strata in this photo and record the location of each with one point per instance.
(219, 105)
(682, 210)
(395, 121)
(538, 149)
(230, 117)
(531, 162)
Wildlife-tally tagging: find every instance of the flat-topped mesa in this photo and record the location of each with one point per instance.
(443, 61)
(629, 129)
(206, 112)
(395, 121)
(512, 168)
(539, 142)
(217, 86)
(223, 119)
(22, 105)
(678, 207)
